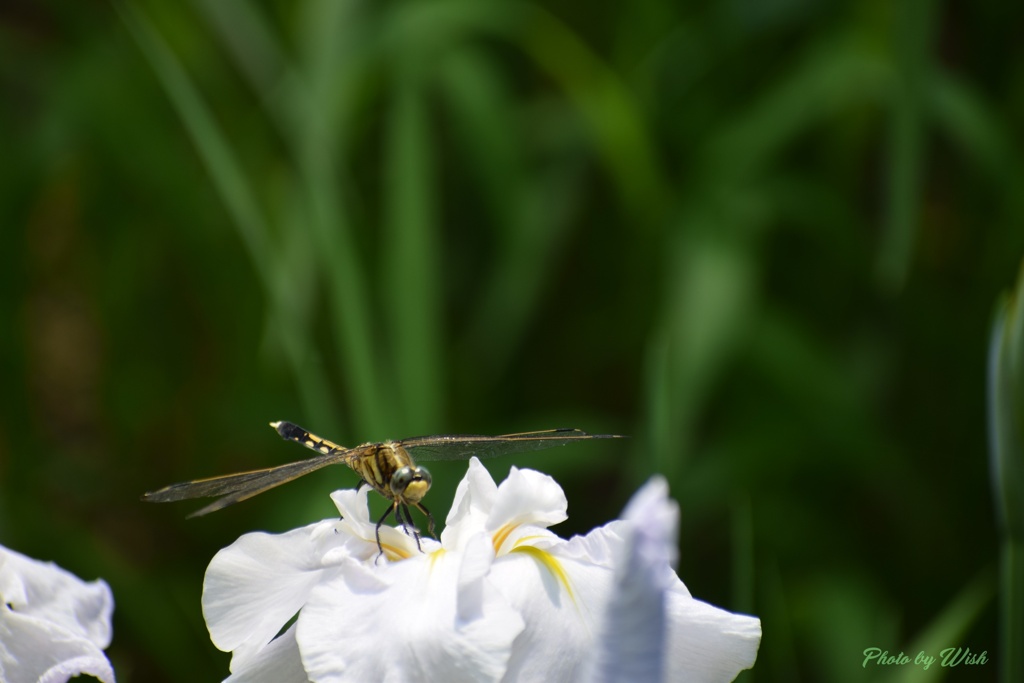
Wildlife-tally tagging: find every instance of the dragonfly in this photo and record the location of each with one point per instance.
(387, 467)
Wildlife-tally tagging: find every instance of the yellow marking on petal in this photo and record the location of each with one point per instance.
(435, 556)
(551, 563)
(524, 540)
(501, 535)
(392, 552)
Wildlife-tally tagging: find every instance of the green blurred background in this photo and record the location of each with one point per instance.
(763, 237)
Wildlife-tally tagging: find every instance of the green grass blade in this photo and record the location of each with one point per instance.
(906, 141)
(224, 169)
(239, 197)
(250, 42)
(332, 45)
(609, 107)
(412, 276)
(976, 127)
(527, 208)
(832, 76)
(948, 630)
(1006, 444)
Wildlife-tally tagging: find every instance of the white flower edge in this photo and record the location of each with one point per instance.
(53, 625)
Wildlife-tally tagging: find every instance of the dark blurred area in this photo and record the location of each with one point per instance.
(765, 239)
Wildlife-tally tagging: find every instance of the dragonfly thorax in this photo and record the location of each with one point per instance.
(410, 483)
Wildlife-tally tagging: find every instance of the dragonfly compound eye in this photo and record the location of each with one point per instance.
(410, 483)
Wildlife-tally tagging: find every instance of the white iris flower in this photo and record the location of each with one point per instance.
(53, 625)
(500, 598)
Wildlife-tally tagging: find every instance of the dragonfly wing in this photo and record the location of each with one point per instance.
(464, 446)
(237, 487)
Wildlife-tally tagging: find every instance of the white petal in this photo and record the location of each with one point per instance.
(653, 629)
(706, 643)
(649, 625)
(656, 519)
(528, 497)
(255, 585)
(529, 536)
(632, 637)
(471, 507)
(278, 662)
(405, 626)
(561, 600)
(599, 546)
(351, 503)
(470, 585)
(92, 664)
(37, 649)
(44, 590)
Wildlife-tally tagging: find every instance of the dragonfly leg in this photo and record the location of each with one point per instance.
(430, 519)
(380, 522)
(404, 509)
(406, 522)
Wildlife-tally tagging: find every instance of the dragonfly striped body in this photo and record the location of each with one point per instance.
(376, 463)
(386, 467)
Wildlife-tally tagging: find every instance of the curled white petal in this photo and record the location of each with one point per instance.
(471, 507)
(527, 497)
(97, 666)
(44, 590)
(53, 625)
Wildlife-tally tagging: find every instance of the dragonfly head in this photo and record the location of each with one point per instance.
(410, 483)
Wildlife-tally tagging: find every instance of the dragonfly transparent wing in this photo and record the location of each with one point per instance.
(233, 488)
(238, 487)
(464, 446)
